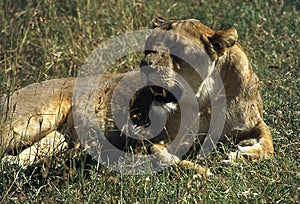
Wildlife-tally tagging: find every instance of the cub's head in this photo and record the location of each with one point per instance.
(179, 50)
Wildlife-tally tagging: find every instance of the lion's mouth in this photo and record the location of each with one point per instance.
(162, 95)
(161, 89)
(158, 91)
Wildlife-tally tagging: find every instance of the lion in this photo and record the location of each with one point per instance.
(38, 120)
(198, 54)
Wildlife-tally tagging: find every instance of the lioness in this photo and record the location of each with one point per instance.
(198, 54)
(36, 119)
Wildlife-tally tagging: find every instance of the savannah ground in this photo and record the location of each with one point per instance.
(46, 39)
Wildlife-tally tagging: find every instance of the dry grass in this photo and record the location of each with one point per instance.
(47, 39)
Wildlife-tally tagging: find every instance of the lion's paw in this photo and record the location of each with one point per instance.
(164, 155)
(244, 153)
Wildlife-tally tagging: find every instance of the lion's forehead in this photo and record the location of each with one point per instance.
(192, 28)
(178, 36)
(168, 41)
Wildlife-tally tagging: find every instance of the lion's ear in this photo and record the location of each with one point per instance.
(223, 39)
(158, 21)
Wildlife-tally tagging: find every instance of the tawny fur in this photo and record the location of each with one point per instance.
(244, 113)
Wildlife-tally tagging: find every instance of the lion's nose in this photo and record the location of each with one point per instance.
(146, 62)
(151, 62)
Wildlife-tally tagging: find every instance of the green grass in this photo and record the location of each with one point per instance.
(47, 39)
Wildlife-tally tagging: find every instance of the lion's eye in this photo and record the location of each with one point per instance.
(217, 46)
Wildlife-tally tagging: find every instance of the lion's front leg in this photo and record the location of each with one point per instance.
(168, 158)
(259, 146)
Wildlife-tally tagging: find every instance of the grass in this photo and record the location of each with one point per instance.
(47, 39)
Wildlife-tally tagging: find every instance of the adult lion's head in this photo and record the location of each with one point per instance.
(183, 48)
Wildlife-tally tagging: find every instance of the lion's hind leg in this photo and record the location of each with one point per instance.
(259, 146)
(51, 144)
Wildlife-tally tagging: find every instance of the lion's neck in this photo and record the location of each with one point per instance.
(206, 86)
